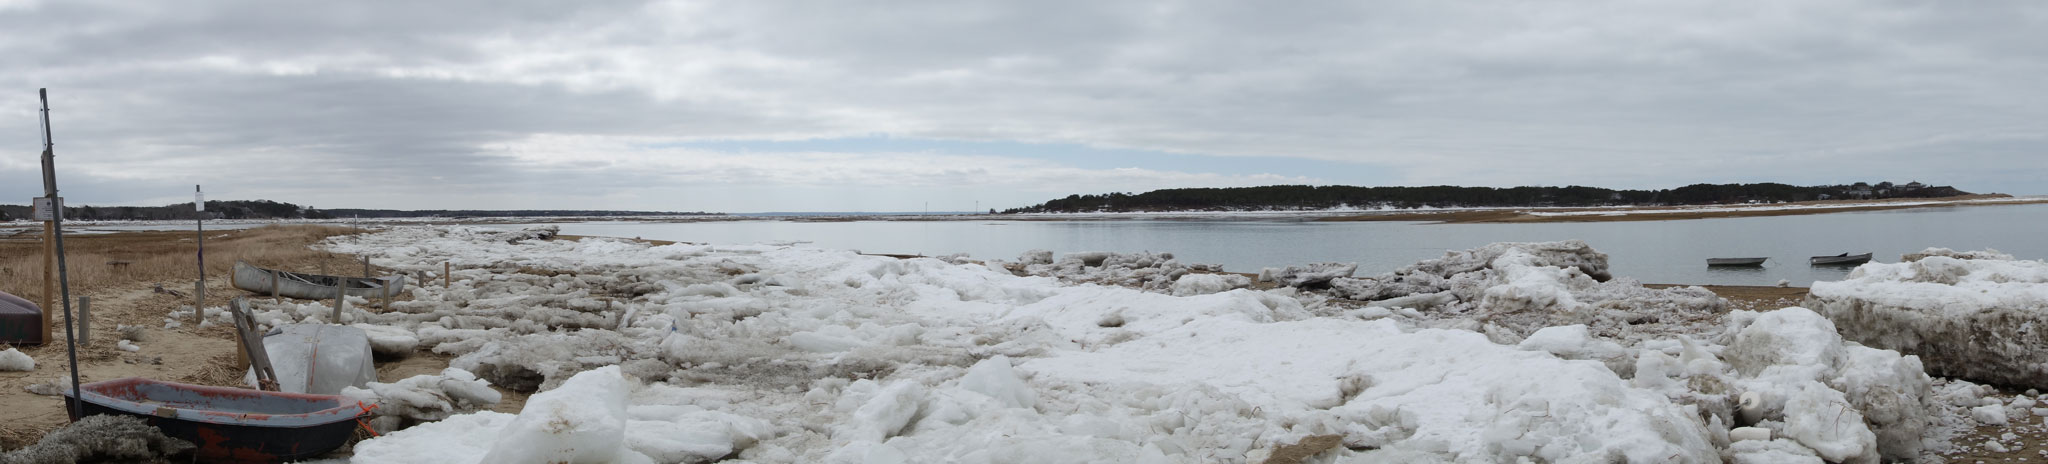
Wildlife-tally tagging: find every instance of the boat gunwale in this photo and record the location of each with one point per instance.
(343, 408)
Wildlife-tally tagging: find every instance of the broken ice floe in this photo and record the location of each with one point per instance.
(798, 354)
(1976, 317)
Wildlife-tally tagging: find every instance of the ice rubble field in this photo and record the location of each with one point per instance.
(1510, 352)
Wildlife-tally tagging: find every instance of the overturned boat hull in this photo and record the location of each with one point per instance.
(313, 286)
(229, 424)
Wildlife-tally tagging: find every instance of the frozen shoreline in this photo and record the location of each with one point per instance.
(929, 360)
(766, 353)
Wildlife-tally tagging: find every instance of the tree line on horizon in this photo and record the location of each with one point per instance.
(266, 209)
(1310, 197)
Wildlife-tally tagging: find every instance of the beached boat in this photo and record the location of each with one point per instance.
(313, 286)
(1843, 259)
(1735, 262)
(229, 424)
(19, 320)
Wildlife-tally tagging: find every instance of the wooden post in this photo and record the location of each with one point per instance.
(273, 287)
(366, 267)
(49, 280)
(447, 274)
(340, 297)
(84, 320)
(199, 228)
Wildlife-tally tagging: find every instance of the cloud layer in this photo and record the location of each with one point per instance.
(560, 104)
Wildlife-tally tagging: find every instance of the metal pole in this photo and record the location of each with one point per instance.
(63, 274)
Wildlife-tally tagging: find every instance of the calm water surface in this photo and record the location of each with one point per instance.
(1651, 251)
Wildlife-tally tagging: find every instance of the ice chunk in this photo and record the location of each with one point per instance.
(1749, 433)
(1779, 451)
(1571, 342)
(1203, 284)
(887, 413)
(584, 420)
(994, 377)
(1967, 318)
(1990, 414)
(427, 397)
(14, 360)
(1316, 275)
(1794, 343)
(1820, 418)
(462, 439)
(389, 341)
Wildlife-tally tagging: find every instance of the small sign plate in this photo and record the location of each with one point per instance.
(198, 201)
(43, 210)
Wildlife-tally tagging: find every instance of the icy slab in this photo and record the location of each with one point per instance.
(461, 439)
(16, 361)
(1518, 288)
(1968, 318)
(1443, 393)
(1203, 284)
(582, 421)
(1316, 275)
(427, 397)
(389, 341)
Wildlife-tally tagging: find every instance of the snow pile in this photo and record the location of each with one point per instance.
(16, 361)
(1968, 318)
(1513, 289)
(427, 397)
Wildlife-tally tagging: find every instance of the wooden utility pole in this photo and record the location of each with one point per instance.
(199, 225)
(49, 280)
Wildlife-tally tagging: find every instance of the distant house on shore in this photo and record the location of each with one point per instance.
(1859, 190)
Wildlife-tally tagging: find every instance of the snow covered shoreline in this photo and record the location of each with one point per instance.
(689, 353)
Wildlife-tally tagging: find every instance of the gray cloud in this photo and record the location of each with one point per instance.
(404, 105)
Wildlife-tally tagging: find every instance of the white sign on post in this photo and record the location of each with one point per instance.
(198, 201)
(44, 210)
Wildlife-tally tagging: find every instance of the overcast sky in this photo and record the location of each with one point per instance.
(750, 106)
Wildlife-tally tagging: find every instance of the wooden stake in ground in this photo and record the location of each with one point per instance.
(49, 280)
(447, 274)
(340, 297)
(84, 320)
(273, 287)
(199, 227)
